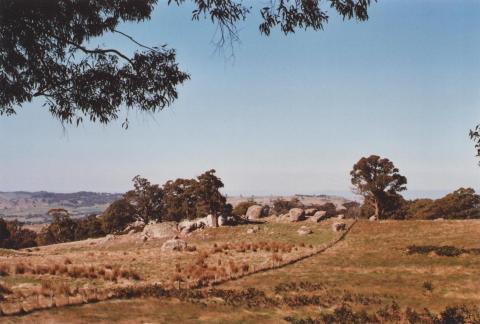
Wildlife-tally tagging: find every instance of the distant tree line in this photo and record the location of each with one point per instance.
(174, 201)
(380, 184)
(14, 236)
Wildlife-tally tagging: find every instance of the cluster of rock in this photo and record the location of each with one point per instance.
(299, 214)
(188, 226)
(256, 212)
(162, 230)
(165, 230)
(304, 230)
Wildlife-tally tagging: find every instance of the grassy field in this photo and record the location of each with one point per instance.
(369, 270)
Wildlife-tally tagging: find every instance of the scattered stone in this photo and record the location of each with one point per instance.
(304, 230)
(373, 218)
(438, 219)
(318, 216)
(136, 226)
(310, 211)
(296, 214)
(187, 226)
(160, 230)
(257, 212)
(251, 231)
(174, 244)
(341, 216)
(337, 227)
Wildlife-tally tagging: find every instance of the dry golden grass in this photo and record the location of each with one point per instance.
(370, 266)
(374, 258)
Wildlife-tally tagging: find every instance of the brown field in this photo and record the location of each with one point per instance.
(368, 269)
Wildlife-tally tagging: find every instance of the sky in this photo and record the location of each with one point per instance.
(288, 114)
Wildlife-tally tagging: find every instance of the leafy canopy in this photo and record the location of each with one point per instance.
(46, 51)
(378, 181)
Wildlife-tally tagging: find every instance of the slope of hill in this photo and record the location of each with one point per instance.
(31, 207)
(369, 270)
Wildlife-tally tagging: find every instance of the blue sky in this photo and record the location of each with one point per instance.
(290, 114)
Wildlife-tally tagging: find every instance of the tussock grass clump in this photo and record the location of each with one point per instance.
(4, 290)
(4, 270)
(428, 286)
(20, 268)
(393, 314)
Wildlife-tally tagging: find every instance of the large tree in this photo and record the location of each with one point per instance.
(147, 199)
(378, 181)
(46, 51)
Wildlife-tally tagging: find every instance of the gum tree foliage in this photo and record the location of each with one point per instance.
(61, 229)
(47, 50)
(462, 203)
(117, 216)
(176, 199)
(14, 236)
(147, 199)
(378, 181)
(475, 136)
(192, 198)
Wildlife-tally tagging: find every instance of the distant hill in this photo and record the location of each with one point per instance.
(31, 207)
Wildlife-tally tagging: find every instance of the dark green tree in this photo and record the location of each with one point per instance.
(87, 227)
(117, 216)
(4, 233)
(180, 199)
(210, 199)
(46, 51)
(378, 181)
(463, 203)
(147, 199)
(61, 229)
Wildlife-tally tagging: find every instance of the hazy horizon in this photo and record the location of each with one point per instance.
(412, 194)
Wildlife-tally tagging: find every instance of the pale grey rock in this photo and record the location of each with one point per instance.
(174, 244)
(160, 230)
(296, 214)
(254, 212)
(304, 230)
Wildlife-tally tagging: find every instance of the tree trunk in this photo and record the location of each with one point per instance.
(377, 209)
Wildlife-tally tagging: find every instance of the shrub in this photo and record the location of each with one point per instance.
(282, 206)
(4, 270)
(20, 268)
(445, 250)
(463, 203)
(428, 286)
(14, 236)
